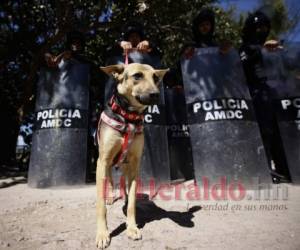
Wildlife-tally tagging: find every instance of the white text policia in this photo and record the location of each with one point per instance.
(291, 103)
(154, 109)
(221, 109)
(58, 117)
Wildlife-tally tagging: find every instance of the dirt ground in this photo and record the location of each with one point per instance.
(63, 219)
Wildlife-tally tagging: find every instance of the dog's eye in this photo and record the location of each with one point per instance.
(138, 76)
(156, 79)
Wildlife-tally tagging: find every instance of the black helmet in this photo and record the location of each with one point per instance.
(204, 15)
(133, 27)
(250, 34)
(74, 36)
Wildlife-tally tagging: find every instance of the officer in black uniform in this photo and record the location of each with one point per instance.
(133, 37)
(254, 35)
(203, 29)
(75, 44)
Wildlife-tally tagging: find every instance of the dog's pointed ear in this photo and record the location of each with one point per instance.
(161, 73)
(114, 70)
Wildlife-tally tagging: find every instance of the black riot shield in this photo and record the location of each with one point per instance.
(59, 146)
(155, 159)
(180, 151)
(224, 134)
(282, 69)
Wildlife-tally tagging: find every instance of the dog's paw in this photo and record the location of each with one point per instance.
(102, 240)
(134, 233)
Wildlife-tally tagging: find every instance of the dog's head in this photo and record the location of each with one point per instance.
(138, 83)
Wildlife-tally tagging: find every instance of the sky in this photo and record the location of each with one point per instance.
(245, 6)
(241, 5)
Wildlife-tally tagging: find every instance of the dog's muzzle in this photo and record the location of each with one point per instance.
(148, 99)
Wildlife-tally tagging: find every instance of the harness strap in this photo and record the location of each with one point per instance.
(126, 57)
(128, 127)
(128, 138)
(131, 116)
(121, 127)
(129, 130)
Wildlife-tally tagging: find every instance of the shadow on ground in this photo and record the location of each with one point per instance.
(147, 211)
(10, 176)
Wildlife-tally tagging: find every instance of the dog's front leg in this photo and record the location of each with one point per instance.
(132, 175)
(132, 230)
(110, 142)
(103, 236)
(110, 197)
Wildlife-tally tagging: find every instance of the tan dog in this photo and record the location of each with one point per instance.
(138, 87)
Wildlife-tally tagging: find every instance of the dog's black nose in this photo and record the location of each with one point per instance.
(149, 99)
(154, 96)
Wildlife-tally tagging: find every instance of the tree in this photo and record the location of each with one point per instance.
(277, 11)
(30, 28)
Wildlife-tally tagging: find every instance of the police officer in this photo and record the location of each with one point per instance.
(133, 38)
(74, 49)
(203, 29)
(254, 34)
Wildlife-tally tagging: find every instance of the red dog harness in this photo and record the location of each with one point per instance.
(127, 123)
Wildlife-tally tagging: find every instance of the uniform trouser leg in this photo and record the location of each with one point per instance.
(270, 133)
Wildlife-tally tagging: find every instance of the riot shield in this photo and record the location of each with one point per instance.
(155, 159)
(282, 69)
(224, 134)
(59, 146)
(180, 152)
